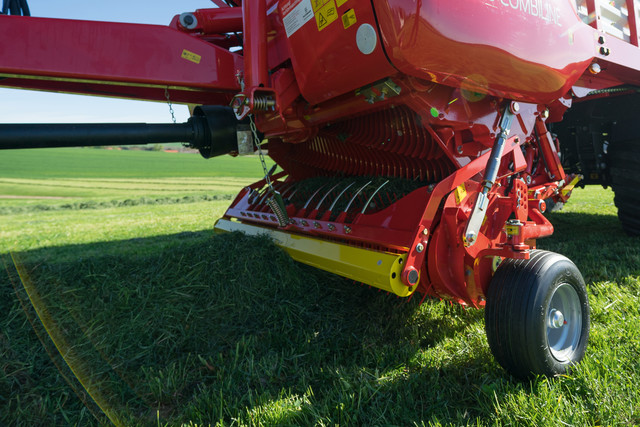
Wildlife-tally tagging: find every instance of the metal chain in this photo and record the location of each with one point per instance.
(166, 95)
(275, 201)
(257, 141)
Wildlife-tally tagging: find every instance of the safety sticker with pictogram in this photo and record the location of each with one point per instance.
(325, 11)
(295, 14)
(348, 18)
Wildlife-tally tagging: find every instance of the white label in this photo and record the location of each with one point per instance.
(297, 17)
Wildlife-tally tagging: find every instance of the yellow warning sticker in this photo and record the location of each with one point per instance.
(317, 4)
(348, 18)
(190, 56)
(513, 230)
(341, 2)
(326, 14)
(460, 193)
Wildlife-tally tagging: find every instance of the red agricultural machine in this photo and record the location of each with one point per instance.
(418, 141)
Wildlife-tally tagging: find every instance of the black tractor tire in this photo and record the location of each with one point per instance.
(624, 171)
(537, 315)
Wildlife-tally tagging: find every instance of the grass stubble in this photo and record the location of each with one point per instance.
(163, 323)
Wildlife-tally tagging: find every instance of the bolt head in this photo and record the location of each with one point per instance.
(470, 237)
(419, 247)
(595, 68)
(413, 276)
(515, 107)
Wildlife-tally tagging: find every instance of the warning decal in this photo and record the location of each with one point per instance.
(348, 18)
(296, 15)
(460, 193)
(190, 56)
(341, 2)
(326, 12)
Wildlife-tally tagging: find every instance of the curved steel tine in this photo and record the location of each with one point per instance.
(356, 195)
(340, 195)
(325, 196)
(264, 195)
(253, 195)
(287, 187)
(306, 205)
(290, 196)
(366, 205)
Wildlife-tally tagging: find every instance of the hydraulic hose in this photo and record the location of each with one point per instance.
(15, 7)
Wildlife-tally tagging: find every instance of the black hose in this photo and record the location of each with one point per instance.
(15, 7)
(25, 8)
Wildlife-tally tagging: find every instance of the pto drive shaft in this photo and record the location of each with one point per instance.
(212, 130)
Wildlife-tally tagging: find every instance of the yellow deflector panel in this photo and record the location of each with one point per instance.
(379, 269)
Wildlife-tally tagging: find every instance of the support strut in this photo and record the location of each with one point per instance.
(491, 172)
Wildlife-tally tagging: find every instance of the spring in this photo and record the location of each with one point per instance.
(263, 102)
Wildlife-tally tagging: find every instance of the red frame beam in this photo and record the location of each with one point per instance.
(115, 59)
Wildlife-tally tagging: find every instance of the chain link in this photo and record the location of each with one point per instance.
(257, 141)
(275, 201)
(166, 95)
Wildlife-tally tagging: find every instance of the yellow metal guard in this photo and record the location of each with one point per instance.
(378, 269)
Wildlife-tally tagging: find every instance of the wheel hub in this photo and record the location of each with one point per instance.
(564, 322)
(555, 319)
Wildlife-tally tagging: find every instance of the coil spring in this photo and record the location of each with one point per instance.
(263, 102)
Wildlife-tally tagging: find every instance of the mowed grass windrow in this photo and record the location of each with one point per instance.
(121, 305)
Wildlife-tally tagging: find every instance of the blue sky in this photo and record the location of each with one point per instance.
(21, 106)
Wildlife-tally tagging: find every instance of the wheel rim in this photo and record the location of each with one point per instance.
(564, 322)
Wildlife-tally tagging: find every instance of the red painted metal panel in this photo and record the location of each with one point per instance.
(324, 53)
(103, 52)
(526, 50)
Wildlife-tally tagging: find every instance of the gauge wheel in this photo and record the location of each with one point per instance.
(537, 315)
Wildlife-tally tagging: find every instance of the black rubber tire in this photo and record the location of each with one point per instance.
(517, 311)
(624, 170)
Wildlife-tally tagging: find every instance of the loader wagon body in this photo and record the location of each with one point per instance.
(419, 142)
(447, 42)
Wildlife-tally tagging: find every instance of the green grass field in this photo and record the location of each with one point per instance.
(159, 322)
